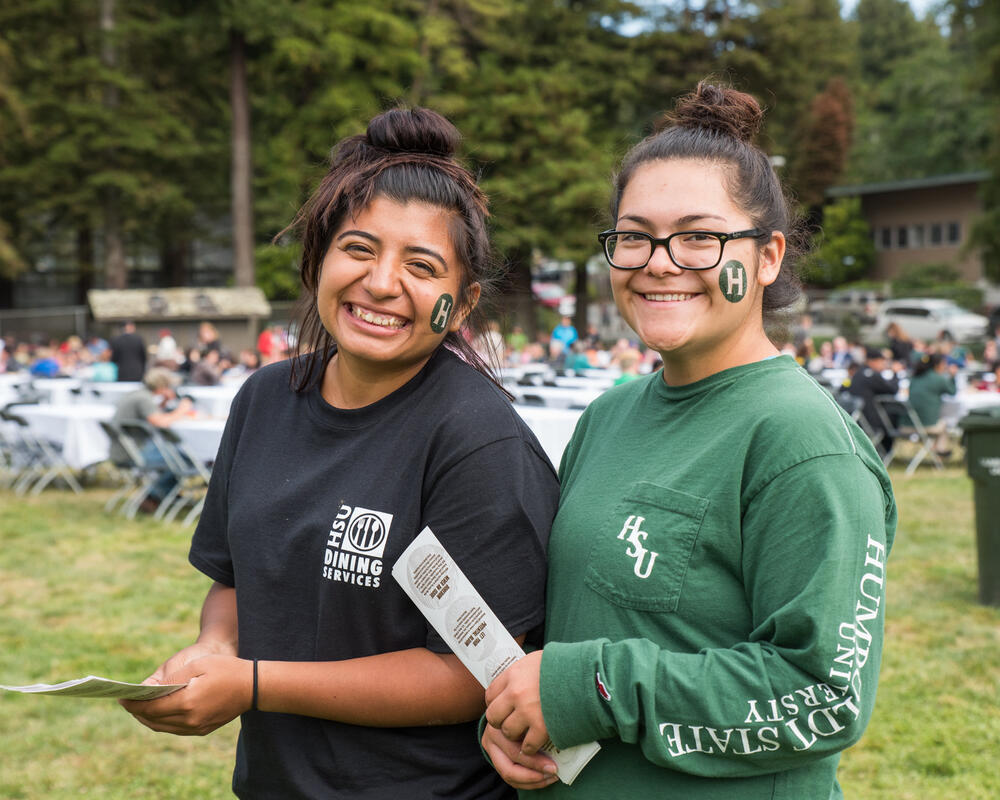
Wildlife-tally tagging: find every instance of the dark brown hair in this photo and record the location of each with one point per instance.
(405, 155)
(718, 124)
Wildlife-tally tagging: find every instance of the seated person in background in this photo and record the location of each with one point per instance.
(841, 355)
(868, 382)
(104, 369)
(45, 364)
(990, 359)
(947, 347)
(932, 378)
(990, 385)
(576, 358)
(208, 371)
(147, 404)
(629, 363)
(899, 343)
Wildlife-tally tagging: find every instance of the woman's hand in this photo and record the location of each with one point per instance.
(515, 704)
(219, 689)
(517, 769)
(182, 658)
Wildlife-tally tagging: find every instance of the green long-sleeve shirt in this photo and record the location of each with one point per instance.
(716, 588)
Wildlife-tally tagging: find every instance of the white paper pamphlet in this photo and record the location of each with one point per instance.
(456, 611)
(93, 686)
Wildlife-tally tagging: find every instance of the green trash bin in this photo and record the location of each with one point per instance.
(981, 437)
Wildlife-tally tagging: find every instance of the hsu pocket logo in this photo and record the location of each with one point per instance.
(632, 533)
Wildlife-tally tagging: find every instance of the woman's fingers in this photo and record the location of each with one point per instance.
(517, 769)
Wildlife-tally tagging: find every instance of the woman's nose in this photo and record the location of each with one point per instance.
(382, 279)
(660, 262)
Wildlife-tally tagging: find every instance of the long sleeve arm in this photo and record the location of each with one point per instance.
(802, 684)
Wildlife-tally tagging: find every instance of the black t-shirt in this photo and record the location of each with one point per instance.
(308, 509)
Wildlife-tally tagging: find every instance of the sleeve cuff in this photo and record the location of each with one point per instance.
(574, 709)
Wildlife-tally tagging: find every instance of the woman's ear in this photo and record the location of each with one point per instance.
(770, 258)
(472, 296)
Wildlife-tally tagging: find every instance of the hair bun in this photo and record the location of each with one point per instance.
(716, 108)
(413, 130)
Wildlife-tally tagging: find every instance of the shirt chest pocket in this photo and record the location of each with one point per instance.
(641, 553)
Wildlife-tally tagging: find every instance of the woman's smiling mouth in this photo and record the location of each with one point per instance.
(381, 319)
(669, 296)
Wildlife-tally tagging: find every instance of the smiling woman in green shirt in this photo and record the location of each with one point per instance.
(716, 579)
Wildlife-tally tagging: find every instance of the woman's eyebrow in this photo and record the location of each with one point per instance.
(428, 252)
(687, 219)
(362, 234)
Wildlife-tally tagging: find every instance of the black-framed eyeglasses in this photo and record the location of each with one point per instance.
(687, 249)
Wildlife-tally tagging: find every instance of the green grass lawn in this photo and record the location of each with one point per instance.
(82, 592)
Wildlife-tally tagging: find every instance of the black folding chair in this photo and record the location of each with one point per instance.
(140, 436)
(190, 476)
(855, 407)
(41, 460)
(903, 424)
(131, 470)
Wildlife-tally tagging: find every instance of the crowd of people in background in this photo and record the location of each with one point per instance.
(924, 372)
(563, 348)
(207, 361)
(127, 356)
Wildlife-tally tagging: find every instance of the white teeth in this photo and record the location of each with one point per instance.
(666, 297)
(384, 322)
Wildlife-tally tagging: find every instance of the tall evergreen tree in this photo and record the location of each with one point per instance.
(542, 110)
(824, 144)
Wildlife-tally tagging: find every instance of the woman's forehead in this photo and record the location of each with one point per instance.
(678, 191)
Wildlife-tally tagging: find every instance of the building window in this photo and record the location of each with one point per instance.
(917, 236)
(901, 237)
(937, 233)
(954, 233)
(886, 238)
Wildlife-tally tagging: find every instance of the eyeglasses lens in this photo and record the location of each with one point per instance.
(694, 250)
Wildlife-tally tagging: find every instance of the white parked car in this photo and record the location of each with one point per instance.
(925, 318)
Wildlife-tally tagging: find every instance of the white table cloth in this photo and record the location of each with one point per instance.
(57, 391)
(555, 396)
(953, 409)
(10, 386)
(201, 437)
(553, 427)
(213, 401)
(109, 392)
(74, 426)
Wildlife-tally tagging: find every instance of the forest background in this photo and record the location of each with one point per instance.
(129, 132)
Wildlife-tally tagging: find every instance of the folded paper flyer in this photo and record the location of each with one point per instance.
(456, 611)
(93, 686)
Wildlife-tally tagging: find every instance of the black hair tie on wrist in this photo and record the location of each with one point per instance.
(253, 701)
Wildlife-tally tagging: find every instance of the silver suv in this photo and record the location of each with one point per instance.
(925, 318)
(862, 304)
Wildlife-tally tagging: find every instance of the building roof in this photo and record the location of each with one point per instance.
(109, 305)
(906, 185)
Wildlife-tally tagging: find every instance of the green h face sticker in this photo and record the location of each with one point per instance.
(442, 313)
(733, 281)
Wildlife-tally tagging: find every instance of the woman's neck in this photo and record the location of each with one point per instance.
(682, 368)
(348, 383)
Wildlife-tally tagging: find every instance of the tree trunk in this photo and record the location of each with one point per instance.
(115, 271)
(242, 191)
(518, 300)
(175, 258)
(580, 290)
(417, 89)
(84, 263)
